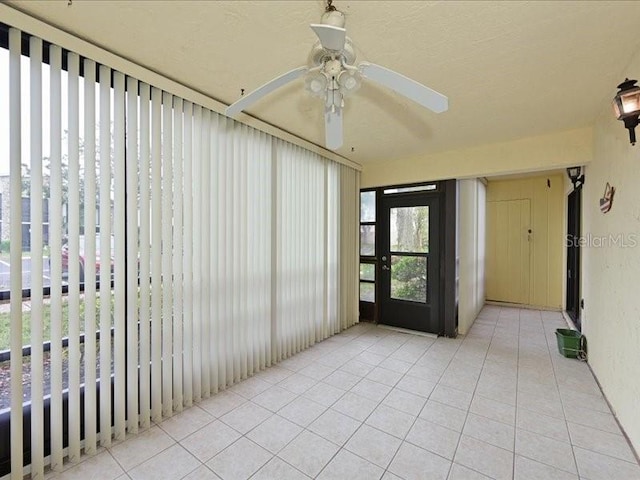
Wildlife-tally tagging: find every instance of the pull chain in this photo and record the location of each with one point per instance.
(330, 7)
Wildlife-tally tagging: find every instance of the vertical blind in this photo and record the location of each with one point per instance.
(185, 251)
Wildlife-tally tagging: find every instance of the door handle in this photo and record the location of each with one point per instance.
(384, 267)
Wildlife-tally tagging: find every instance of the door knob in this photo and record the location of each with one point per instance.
(384, 258)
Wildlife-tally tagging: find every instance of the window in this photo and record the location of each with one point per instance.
(367, 246)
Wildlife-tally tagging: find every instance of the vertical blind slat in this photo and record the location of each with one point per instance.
(145, 258)
(73, 262)
(167, 252)
(90, 422)
(205, 146)
(188, 255)
(37, 271)
(178, 286)
(119, 273)
(197, 246)
(132, 256)
(15, 169)
(156, 255)
(55, 244)
(105, 252)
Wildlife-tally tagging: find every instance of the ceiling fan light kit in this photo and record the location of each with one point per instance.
(331, 74)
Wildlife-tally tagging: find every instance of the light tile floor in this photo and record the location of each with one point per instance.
(373, 403)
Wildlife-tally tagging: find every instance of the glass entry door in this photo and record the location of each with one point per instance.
(410, 262)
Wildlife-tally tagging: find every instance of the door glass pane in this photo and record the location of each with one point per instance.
(409, 229)
(409, 278)
(367, 271)
(367, 239)
(367, 206)
(367, 292)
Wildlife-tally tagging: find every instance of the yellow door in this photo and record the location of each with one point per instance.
(508, 252)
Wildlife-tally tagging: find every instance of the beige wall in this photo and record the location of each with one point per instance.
(611, 273)
(546, 152)
(547, 220)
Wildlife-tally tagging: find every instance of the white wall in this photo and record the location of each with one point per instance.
(471, 248)
(611, 273)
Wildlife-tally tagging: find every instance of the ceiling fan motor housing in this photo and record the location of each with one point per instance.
(335, 18)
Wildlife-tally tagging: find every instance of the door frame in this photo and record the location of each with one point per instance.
(447, 190)
(573, 265)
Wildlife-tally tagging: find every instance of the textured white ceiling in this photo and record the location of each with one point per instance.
(510, 69)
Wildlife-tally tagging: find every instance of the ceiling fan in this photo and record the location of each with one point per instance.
(331, 74)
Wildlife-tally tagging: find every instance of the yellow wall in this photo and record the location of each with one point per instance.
(611, 266)
(541, 153)
(547, 246)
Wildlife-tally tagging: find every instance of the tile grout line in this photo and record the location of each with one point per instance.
(515, 426)
(472, 397)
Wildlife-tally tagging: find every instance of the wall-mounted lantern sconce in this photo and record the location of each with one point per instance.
(575, 177)
(626, 106)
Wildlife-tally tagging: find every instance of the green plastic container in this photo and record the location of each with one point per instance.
(569, 342)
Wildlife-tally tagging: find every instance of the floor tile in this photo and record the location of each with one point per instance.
(494, 410)
(527, 469)
(277, 469)
(487, 459)
(414, 463)
(542, 424)
(460, 472)
(404, 401)
(297, 383)
(274, 433)
(390, 420)
(370, 358)
(102, 466)
(342, 380)
(356, 367)
(384, 376)
(545, 450)
(309, 453)
(346, 465)
(174, 462)
(355, 406)
(452, 397)
(602, 442)
(246, 417)
(489, 431)
(590, 418)
(395, 365)
(316, 371)
(250, 387)
(302, 411)
(240, 460)
(202, 473)
(324, 394)
(434, 438)
(210, 440)
(373, 445)
(186, 422)
(274, 374)
(274, 398)
(140, 448)
(334, 426)
(372, 390)
(222, 403)
(416, 385)
(444, 415)
(594, 466)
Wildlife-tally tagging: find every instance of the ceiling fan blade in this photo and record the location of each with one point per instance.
(250, 98)
(405, 86)
(333, 128)
(331, 38)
